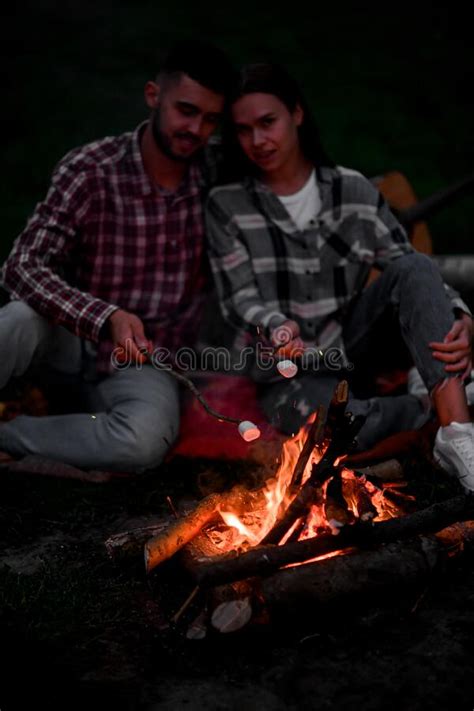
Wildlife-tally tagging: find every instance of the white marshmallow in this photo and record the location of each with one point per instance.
(248, 431)
(287, 368)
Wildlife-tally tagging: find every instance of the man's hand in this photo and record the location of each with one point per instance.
(286, 340)
(128, 336)
(456, 349)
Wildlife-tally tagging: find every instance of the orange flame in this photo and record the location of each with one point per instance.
(362, 498)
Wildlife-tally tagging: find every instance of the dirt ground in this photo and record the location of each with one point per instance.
(81, 632)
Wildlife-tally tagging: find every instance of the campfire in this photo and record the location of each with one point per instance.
(311, 533)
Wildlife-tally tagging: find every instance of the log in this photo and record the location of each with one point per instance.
(345, 582)
(355, 493)
(167, 543)
(390, 470)
(128, 544)
(264, 560)
(226, 607)
(340, 430)
(314, 438)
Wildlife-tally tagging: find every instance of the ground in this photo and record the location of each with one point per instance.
(79, 631)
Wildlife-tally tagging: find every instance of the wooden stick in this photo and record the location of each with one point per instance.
(390, 470)
(127, 544)
(315, 436)
(167, 543)
(340, 430)
(263, 560)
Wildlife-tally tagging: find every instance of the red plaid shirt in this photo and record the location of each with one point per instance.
(104, 238)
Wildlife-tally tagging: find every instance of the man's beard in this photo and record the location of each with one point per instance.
(164, 143)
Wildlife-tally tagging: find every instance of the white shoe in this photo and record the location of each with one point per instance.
(454, 452)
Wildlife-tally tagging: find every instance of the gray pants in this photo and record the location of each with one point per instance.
(409, 288)
(134, 413)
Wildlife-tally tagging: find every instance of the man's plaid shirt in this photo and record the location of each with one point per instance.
(267, 270)
(106, 237)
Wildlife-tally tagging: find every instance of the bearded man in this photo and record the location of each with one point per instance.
(113, 259)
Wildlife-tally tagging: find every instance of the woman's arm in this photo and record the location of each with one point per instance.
(240, 299)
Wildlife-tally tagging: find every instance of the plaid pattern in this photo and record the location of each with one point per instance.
(106, 237)
(267, 270)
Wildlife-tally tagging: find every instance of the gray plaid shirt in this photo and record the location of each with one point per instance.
(267, 270)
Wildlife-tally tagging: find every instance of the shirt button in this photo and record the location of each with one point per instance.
(308, 297)
(309, 324)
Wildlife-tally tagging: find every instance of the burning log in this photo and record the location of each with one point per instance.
(356, 494)
(390, 470)
(265, 559)
(350, 580)
(128, 544)
(167, 543)
(314, 438)
(340, 430)
(226, 607)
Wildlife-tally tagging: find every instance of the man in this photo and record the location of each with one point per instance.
(123, 220)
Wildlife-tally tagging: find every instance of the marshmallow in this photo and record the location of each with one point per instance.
(287, 368)
(248, 431)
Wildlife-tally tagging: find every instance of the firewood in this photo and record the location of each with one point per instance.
(263, 560)
(167, 543)
(232, 615)
(340, 430)
(315, 437)
(356, 494)
(390, 470)
(346, 581)
(128, 544)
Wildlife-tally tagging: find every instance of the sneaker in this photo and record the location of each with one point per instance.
(454, 452)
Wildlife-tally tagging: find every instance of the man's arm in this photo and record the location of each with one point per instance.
(33, 270)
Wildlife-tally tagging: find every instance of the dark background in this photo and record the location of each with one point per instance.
(391, 87)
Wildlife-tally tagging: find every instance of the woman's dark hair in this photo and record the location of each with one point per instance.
(271, 79)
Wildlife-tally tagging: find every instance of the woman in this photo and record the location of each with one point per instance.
(292, 241)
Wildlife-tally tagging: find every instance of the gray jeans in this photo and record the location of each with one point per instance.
(411, 289)
(134, 413)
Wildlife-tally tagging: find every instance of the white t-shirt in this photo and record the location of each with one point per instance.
(304, 205)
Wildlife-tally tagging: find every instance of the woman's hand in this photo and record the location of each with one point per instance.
(128, 336)
(456, 349)
(285, 339)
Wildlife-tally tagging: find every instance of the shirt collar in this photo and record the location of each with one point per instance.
(192, 183)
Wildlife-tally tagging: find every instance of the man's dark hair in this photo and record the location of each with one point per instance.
(266, 78)
(203, 62)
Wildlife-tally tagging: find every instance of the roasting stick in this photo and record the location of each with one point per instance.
(247, 429)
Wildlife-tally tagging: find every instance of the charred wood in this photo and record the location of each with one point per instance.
(263, 560)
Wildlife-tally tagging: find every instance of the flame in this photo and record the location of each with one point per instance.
(360, 499)
(234, 522)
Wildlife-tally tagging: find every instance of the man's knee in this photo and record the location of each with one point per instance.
(147, 441)
(18, 315)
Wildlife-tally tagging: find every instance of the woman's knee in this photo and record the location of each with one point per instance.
(414, 264)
